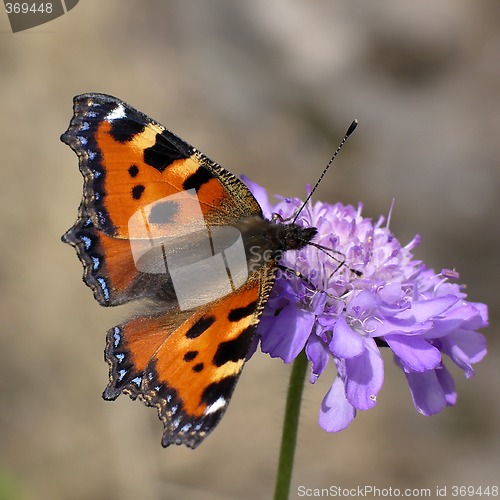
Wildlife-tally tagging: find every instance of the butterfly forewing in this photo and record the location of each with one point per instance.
(129, 161)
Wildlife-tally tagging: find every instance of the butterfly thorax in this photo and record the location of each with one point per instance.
(268, 240)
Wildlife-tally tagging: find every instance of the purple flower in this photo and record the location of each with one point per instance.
(366, 291)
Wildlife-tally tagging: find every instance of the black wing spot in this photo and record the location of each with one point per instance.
(198, 367)
(235, 349)
(163, 152)
(215, 390)
(200, 326)
(190, 355)
(242, 312)
(133, 170)
(125, 129)
(197, 179)
(137, 191)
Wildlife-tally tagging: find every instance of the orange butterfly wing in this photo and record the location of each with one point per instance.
(185, 363)
(129, 161)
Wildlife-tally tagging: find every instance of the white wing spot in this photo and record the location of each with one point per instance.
(116, 114)
(217, 405)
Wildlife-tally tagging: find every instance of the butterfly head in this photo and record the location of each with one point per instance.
(295, 237)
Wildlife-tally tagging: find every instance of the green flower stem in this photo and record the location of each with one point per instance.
(290, 427)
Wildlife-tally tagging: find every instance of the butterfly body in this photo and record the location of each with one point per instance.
(156, 219)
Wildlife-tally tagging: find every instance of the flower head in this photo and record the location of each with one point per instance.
(362, 291)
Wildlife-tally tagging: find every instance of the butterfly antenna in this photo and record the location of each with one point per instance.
(350, 130)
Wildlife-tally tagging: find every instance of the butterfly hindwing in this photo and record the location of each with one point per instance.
(186, 365)
(109, 268)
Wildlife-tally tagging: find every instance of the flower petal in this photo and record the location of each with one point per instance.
(415, 353)
(317, 354)
(482, 309)
(336, 413)
(464, 348)
(364, 377)
(447, 384)
(345, 343)
(288, 333)
(392, 326)
(423, 310)
(466, 316)
(426, 391)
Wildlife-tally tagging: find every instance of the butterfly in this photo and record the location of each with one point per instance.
(163, 226)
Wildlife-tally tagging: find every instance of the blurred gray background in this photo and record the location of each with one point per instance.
(265, 88)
